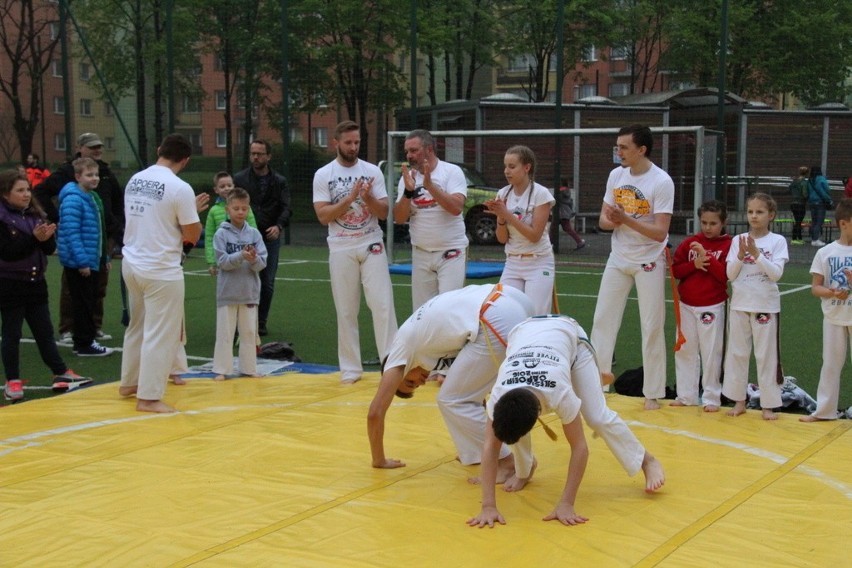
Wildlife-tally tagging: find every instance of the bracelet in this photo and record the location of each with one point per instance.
(409, 193)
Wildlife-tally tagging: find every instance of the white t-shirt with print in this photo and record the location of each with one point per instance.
(523, 206)
(642, 197)
(539, 356)
(156, 204)
(357, 226)
(432, 228)
(433, 335)
(830, 262)
(753, 290)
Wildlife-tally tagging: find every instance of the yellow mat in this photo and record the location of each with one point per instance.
(276, 472)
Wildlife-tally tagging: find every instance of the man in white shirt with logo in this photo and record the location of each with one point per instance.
(431, 198)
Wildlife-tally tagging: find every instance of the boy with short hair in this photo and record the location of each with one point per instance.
(240, 256)
(81, 243)
(831, 278)
(223, 183)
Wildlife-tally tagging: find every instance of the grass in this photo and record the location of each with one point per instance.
(303, 313)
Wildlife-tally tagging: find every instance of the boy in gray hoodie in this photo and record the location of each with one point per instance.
(240, 256)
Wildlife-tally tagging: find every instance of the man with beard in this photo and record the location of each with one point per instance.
(350, 197)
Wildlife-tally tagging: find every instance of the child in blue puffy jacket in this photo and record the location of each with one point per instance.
(82, 252)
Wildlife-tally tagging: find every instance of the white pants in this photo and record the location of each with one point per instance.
(471, 376)
(241, 317)
(834, 340)
(434, 273)
(761, 329)
(534, 276)
(617, 281)
(350, 270)
(153, 337)
(700, 358)
(605, 422)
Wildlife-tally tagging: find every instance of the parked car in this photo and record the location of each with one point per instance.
(481, 227)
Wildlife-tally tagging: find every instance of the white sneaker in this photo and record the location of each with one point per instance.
(101, 336)
(817, 243)
(65, 339)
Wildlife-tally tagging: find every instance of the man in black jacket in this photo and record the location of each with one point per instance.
(89, 145)
(270, 202)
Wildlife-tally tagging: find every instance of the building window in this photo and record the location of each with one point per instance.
(56, 68)
(518, 63)
(583, 91)
(194, 140)
(85, 72)
(59, 141)
(59, 105)
(191, 104)
(590, 53)
(221, 138)
(220, 100)
(86, 107)
(320, 137)
(109, 143)
(619, 89)
(54, 30)
(108, 110)
(618, 53)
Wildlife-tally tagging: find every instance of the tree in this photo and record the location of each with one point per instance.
(28, 50)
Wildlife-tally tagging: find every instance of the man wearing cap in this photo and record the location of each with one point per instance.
(89, 145)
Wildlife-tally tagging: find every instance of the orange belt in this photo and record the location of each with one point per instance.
(498, 291)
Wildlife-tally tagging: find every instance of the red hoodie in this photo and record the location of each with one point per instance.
(697, 287)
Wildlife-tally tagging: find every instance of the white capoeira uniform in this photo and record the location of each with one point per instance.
(156, 204)
(438, 239)
(753, 318)
(462, 333)
(356, 259)
(529, 266)
(830, 262)
(636, 259)
(551, 356)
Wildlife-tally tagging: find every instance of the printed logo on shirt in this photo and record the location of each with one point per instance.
(422, 198)
(357, 216)
(444, 363)
(763, 318)
(838, 265)
(633, 200)
(748, 259)
(376, 248)
(451, 254)
(231, 248)
(707, 318)
(147, 189)
(649, 266)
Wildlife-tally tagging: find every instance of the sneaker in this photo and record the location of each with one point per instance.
(14, 390)
(101, 336)
(65, 339)
(797, 242)
(817, 243)
(94, 350)
(582, 244)
(69, 380)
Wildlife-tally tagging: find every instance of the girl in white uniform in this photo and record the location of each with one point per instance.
(755, 264)
(523, 209)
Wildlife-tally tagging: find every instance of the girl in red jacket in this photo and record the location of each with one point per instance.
(699, 264)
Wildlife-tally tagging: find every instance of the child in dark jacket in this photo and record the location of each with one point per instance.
(82, 252)
(26, 239)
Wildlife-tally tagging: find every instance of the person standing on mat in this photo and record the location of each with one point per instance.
(350, 197)
(637, 208)
(523, 209)
(431, 197)
(462, 333)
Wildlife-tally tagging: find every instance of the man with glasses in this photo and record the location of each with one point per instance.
(270, 203)
(89, 145)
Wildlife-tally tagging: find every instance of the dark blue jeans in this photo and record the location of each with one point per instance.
(817, 219)
(267, 278)
(37, 317)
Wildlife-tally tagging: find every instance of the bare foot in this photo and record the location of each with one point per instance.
(652, 404)
(153, 406)
(505, 468)
(127, 391)
(219, 378)
(607, 379)
(655, 477)
(711, 408)
(677, 403)
(769, 415)
(176, 379)
(811, 418)
(350, 381)
(739, 408)
(516, 483)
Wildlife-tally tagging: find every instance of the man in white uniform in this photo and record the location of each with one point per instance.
(431, 197)
(162, 214)
(637, 208)
(350, 197)
(462, 333)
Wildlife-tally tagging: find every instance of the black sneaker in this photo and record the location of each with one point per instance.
(94, 350)
(69, 380)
